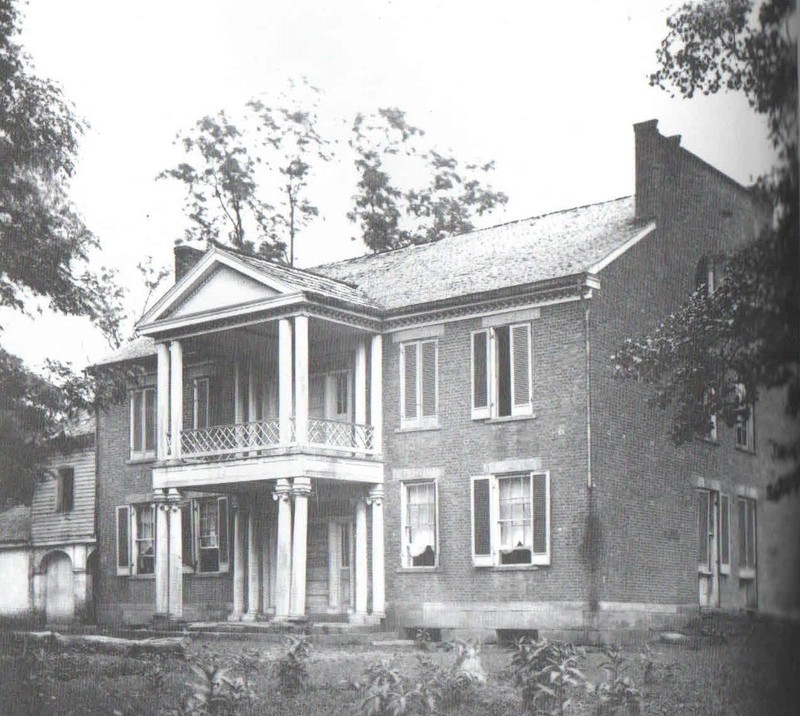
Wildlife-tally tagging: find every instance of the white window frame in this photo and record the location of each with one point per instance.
(196, 384)
(142, 454)
(405, 556)
(724, 534)
(494, 558)
(130, 513)
(491, 411)
(223, 559)
(420, 420)
(749, 570)
(122, 514)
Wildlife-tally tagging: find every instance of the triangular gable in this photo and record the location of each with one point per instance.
(218, 281)
(223, 288)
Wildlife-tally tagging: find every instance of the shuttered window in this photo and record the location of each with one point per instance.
(143, 423)
(704, 529)
(123, 540)
(419, 383)
(747, 537)
(419, 524)
(511, 519)
(502, 375)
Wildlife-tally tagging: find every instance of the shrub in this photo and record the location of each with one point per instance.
(290, 669)
(389, 693)
(616, 695)
(215, 693)
(546, 673)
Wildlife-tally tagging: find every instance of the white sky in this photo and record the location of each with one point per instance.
(549, 90)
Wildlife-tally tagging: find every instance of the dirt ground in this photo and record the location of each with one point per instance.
(733, 666)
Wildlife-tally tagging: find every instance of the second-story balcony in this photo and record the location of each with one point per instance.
(262, 437)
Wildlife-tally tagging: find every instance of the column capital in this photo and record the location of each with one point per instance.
(301, 486)
(375, 496)
(282, 490)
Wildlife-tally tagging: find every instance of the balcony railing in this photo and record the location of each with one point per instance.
(249, 439)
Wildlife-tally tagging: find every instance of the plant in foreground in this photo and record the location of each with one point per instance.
(215, 693)
(290, 669)
(616, 695)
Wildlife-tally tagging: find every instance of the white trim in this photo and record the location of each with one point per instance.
(482, 412)
(725, 567)
(405, 559)
(434, 330)
(616, 253)
(527, 407)
(533, 464)
(143, 454)
(512, 316)
(416, 474)
(206, 265)
(419, 420)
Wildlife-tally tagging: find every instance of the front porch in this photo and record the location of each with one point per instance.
(298, 548)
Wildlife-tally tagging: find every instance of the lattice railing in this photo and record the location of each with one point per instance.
(340, 435)
(232, 439)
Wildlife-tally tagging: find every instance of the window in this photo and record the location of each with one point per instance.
(200, 404)
(123, 540)
(747, 537)
(710, 273)
(136, 533)
(143, 423)
(419, 524)
(744, 429)
(419, 384)
(502, 381)
(511, 519)
(705, 532)
(212, 534)
(711, 433)
(65, 489)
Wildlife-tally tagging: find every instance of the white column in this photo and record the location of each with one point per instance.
(175, 555)
(378, 590)
(361, 558)
(301, 488)
(176, 396)
(361, 383)
(238, 562)
(376, 393)
(334, 562)
(162, 554)
(301, 377)
(162, 401)
(252, 562)
(285, 379)
(283, 577)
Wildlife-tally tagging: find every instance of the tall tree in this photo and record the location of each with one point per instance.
(721, 350)
(45, 247)
(444, 197)
(291, 144)
(222, 192)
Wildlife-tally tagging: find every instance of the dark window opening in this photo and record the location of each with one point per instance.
(517, 556)
(426, 559)
(65, 498)
(503, 347)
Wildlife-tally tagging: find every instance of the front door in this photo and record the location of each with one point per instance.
(708, 541)
(340, 566)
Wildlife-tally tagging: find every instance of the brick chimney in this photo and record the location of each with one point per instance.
(652, 167)
(186, 256)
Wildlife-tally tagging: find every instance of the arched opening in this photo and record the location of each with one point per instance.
(59, 599)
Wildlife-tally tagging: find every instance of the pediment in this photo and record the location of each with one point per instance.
(225, 287)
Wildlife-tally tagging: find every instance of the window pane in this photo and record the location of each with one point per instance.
(481, 517)
(145, 542)
(150, 420)
(410, 380)
(540, 514)
(136, 417)
(724, 537)
(702, 531)
(479, 379)
(522, 365)
(503, 363)
(421, 524)
(428, 379)
(742, 534)
(515, 512)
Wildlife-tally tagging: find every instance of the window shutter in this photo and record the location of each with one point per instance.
(409, 368)
(136, 422)
(724, 534)
(222, 506)
(480, 375)
(481, 521)
(150, 420)
(429, 379)
(702, 532)
(123, 540)
(541, 518)
(521, 369)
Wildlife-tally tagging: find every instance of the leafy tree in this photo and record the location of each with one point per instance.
(45, 248)
(292, 144)
(444, 199)
(222, 201)
(720, 351)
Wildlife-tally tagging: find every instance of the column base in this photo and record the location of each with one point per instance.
(250, 617)
(235, 617)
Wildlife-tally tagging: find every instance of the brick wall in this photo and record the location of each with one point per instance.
(461, 446)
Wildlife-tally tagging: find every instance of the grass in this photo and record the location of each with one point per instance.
(740, 667)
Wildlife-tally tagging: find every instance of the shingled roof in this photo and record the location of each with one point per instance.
(141, 347)
(514, 254)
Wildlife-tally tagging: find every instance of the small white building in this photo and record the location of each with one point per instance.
(15, 562)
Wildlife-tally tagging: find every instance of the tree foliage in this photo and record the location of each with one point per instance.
(721, 350)
(444, 197)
